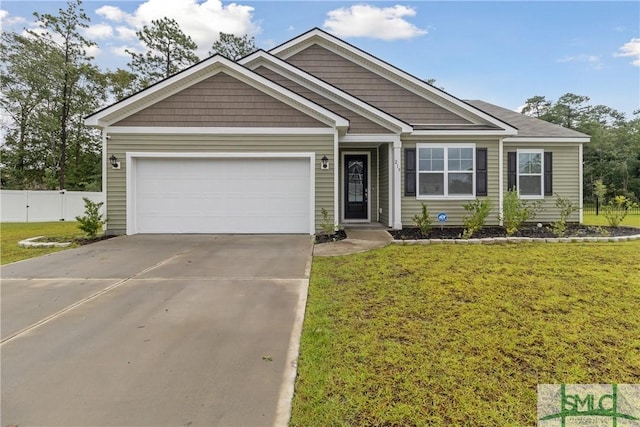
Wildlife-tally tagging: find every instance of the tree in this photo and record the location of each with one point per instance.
(612, 157)
(169, 51)
(233, 47)
(121, 83)
(537, 106)
(48, 85)
(63, 31)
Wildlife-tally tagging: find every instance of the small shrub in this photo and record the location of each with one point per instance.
(566, 207)
(422, 221)
(516, 212)
(478, 212)
(327, 225)
(92, 220)
(617, 209)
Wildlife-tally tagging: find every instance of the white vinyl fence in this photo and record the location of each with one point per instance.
(43, 206)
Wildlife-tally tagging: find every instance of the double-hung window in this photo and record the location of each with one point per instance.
(445, 170)
(530, 173)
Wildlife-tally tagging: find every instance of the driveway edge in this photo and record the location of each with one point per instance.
(285, 401)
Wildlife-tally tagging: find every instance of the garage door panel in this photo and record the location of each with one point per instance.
(216, 195)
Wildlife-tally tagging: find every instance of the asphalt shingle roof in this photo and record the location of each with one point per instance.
(527, 126)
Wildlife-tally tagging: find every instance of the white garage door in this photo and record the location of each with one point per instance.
(222, 195)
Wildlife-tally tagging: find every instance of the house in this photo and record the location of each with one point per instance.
(267, 143)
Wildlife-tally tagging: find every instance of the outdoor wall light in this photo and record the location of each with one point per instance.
(324, 162)
(115, 164)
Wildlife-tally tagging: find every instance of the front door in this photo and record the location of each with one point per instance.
(356, 199)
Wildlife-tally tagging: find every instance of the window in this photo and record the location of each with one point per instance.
(445, 170)
(530, 173)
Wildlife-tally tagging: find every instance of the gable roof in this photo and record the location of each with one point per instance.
(199, 72)
(530, 127)
(325, 89)
(437, 96)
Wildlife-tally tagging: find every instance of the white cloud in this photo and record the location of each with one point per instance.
(632, 49)
(593, 60)
(201, 20)
(121, 51)
(99, 31)
(94, 51)
(7, 21)
(364, 20)
(125, 33)
(112, 13)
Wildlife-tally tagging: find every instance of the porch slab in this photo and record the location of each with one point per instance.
(358, 240)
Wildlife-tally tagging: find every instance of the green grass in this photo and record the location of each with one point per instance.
(453, 335)
(12, 232)
(593, 219)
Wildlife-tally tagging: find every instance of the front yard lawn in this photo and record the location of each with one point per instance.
(460, 335)
(13, 232)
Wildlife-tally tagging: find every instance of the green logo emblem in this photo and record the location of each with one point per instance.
(568, 405)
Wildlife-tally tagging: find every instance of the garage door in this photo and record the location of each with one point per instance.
(222, 195)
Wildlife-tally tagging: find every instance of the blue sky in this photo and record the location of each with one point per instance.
(502, 52)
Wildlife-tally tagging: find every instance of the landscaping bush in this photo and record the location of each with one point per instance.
(516, 211)
(478, 212)
(327, 225)
(92, 220)
(422, 221)
(566, 207)
(617, 209)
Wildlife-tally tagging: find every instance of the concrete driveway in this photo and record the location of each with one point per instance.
(188, 330)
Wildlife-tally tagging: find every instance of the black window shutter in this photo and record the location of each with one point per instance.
(481, 172)
(409, 171)
(548, 175)
(512, 169)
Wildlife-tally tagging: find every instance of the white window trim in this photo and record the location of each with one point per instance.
(530, 151)
(471, 196)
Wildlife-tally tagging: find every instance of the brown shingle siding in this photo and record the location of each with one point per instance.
(357, 123)
(371, 87)
(223, 101)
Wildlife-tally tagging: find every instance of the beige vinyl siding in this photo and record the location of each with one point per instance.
(222, 101)
(453, 208)
(566, 176)
(120, 144)
(357, 123)
(371, 87)
(383, 173)
(373, 179)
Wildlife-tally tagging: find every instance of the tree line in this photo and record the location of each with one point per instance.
(612, 157)
(48, 84)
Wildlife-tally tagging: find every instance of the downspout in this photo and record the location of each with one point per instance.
(104, 175)
(390, 193)
(397, 210)
(581, 183)
(500, 179)
(378, 185)
(336, 162)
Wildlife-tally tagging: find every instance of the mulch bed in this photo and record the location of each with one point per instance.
(326, 238)
(573, 230)
(75, 240)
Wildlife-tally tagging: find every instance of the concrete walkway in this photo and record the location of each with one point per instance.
(358, 240)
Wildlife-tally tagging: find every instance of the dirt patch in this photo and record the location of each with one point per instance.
(573, 230)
